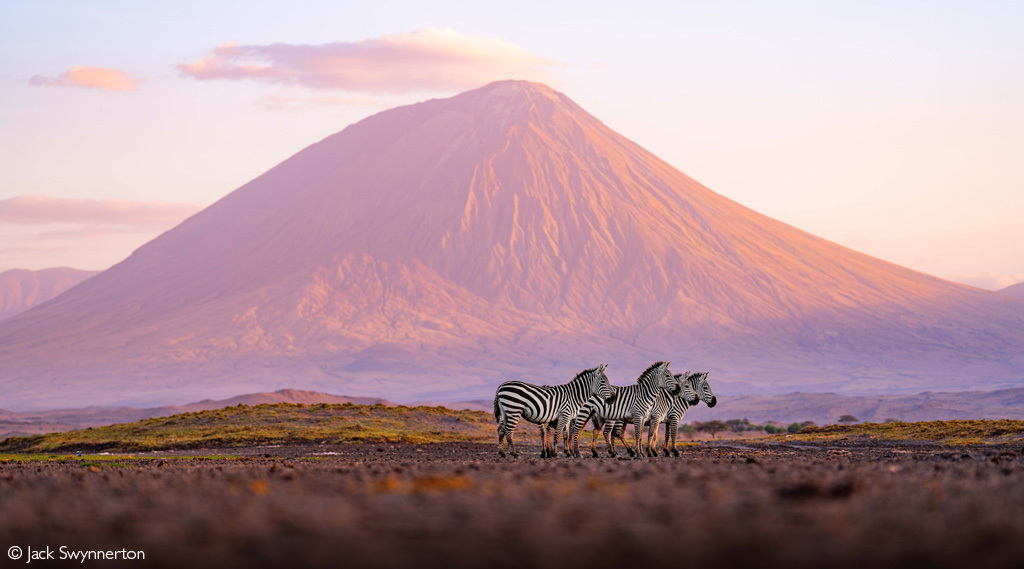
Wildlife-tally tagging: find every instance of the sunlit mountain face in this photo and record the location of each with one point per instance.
(432, 251)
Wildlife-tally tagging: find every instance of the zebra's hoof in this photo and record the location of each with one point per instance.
(675, 452)
(594, 452)
(502, 454)
(515, 455)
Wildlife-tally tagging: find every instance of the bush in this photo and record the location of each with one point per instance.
(739, 425)
(712, 427)
(688, 430)
(770, 429)
(794, 428)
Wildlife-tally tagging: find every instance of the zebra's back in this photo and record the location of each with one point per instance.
(536, 403)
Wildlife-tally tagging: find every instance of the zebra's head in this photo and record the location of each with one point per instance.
(703, 389)
(667, 381)
(601, 387)
(687, 392)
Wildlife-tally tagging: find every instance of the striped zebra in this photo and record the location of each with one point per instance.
(632, 402)
(700, 386)
(548, 406)
(699, 383)
(664, 405)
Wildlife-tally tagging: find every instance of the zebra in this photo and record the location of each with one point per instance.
(548, 406)
(700, 386)
(663, 406)
(632, 402)
(699, 383)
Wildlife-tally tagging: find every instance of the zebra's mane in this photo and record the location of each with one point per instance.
(649, 372)
(585, 374)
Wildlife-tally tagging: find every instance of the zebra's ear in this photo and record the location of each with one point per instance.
(668, 363)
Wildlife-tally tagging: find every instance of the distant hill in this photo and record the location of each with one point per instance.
(825, 408)
(1016, 290)
(58, 420)
(22, 289)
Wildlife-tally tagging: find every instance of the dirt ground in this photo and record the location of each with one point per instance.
(749, 504)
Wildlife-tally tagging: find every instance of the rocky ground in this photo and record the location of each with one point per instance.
(845, 504)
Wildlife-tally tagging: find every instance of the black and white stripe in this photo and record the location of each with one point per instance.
(699, 382)
(547, 406)
(632, 403)
(664, 407)
(702, 389)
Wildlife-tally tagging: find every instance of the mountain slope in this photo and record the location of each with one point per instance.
(431, 250)
(1016, 291)
(21, 289)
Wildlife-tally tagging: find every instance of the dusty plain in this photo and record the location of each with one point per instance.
(780, 502)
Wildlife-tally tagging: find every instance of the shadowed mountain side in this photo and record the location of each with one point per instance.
(21, 289)
(826, 408)
(1016, 291)
(439, 248)
(58, 420)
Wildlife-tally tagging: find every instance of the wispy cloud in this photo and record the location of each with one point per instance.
(38, 210)
(991, 280)
(100, 78)
(427, 59)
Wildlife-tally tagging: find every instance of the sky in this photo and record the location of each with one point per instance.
(893, 128)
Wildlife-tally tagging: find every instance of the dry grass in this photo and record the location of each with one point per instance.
(281, 423)
(949, 432)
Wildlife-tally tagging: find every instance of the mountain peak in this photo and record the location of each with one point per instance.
(432, 250)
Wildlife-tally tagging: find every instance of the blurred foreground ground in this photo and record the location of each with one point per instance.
(751, 504)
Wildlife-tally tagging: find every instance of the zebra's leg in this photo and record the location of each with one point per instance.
(501, 442)
(562, 430)
(575, 426)
(637, 433)
(545, 441)
(556, 433)
(609, 437)
(593, 441)
(652, 440)
(668, 435)
(620, 433)
(574, 438)
(510, 423)
(675, 431)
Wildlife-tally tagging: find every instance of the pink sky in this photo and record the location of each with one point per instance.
(894, 132)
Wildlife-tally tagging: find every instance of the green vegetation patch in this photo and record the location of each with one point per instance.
(950, 432)
(280, 423)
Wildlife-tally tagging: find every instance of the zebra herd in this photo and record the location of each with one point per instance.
(657, 397)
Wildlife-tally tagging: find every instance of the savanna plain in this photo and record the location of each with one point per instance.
(945, 494)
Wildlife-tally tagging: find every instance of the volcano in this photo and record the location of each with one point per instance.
(431, 251)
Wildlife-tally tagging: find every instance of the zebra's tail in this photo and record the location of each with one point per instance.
(497, 412)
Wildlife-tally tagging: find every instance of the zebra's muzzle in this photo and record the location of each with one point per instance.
(714, 401)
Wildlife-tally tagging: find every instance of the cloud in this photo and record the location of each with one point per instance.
(991, 280)
(37, 210)
(427, 59)
(99, 78)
